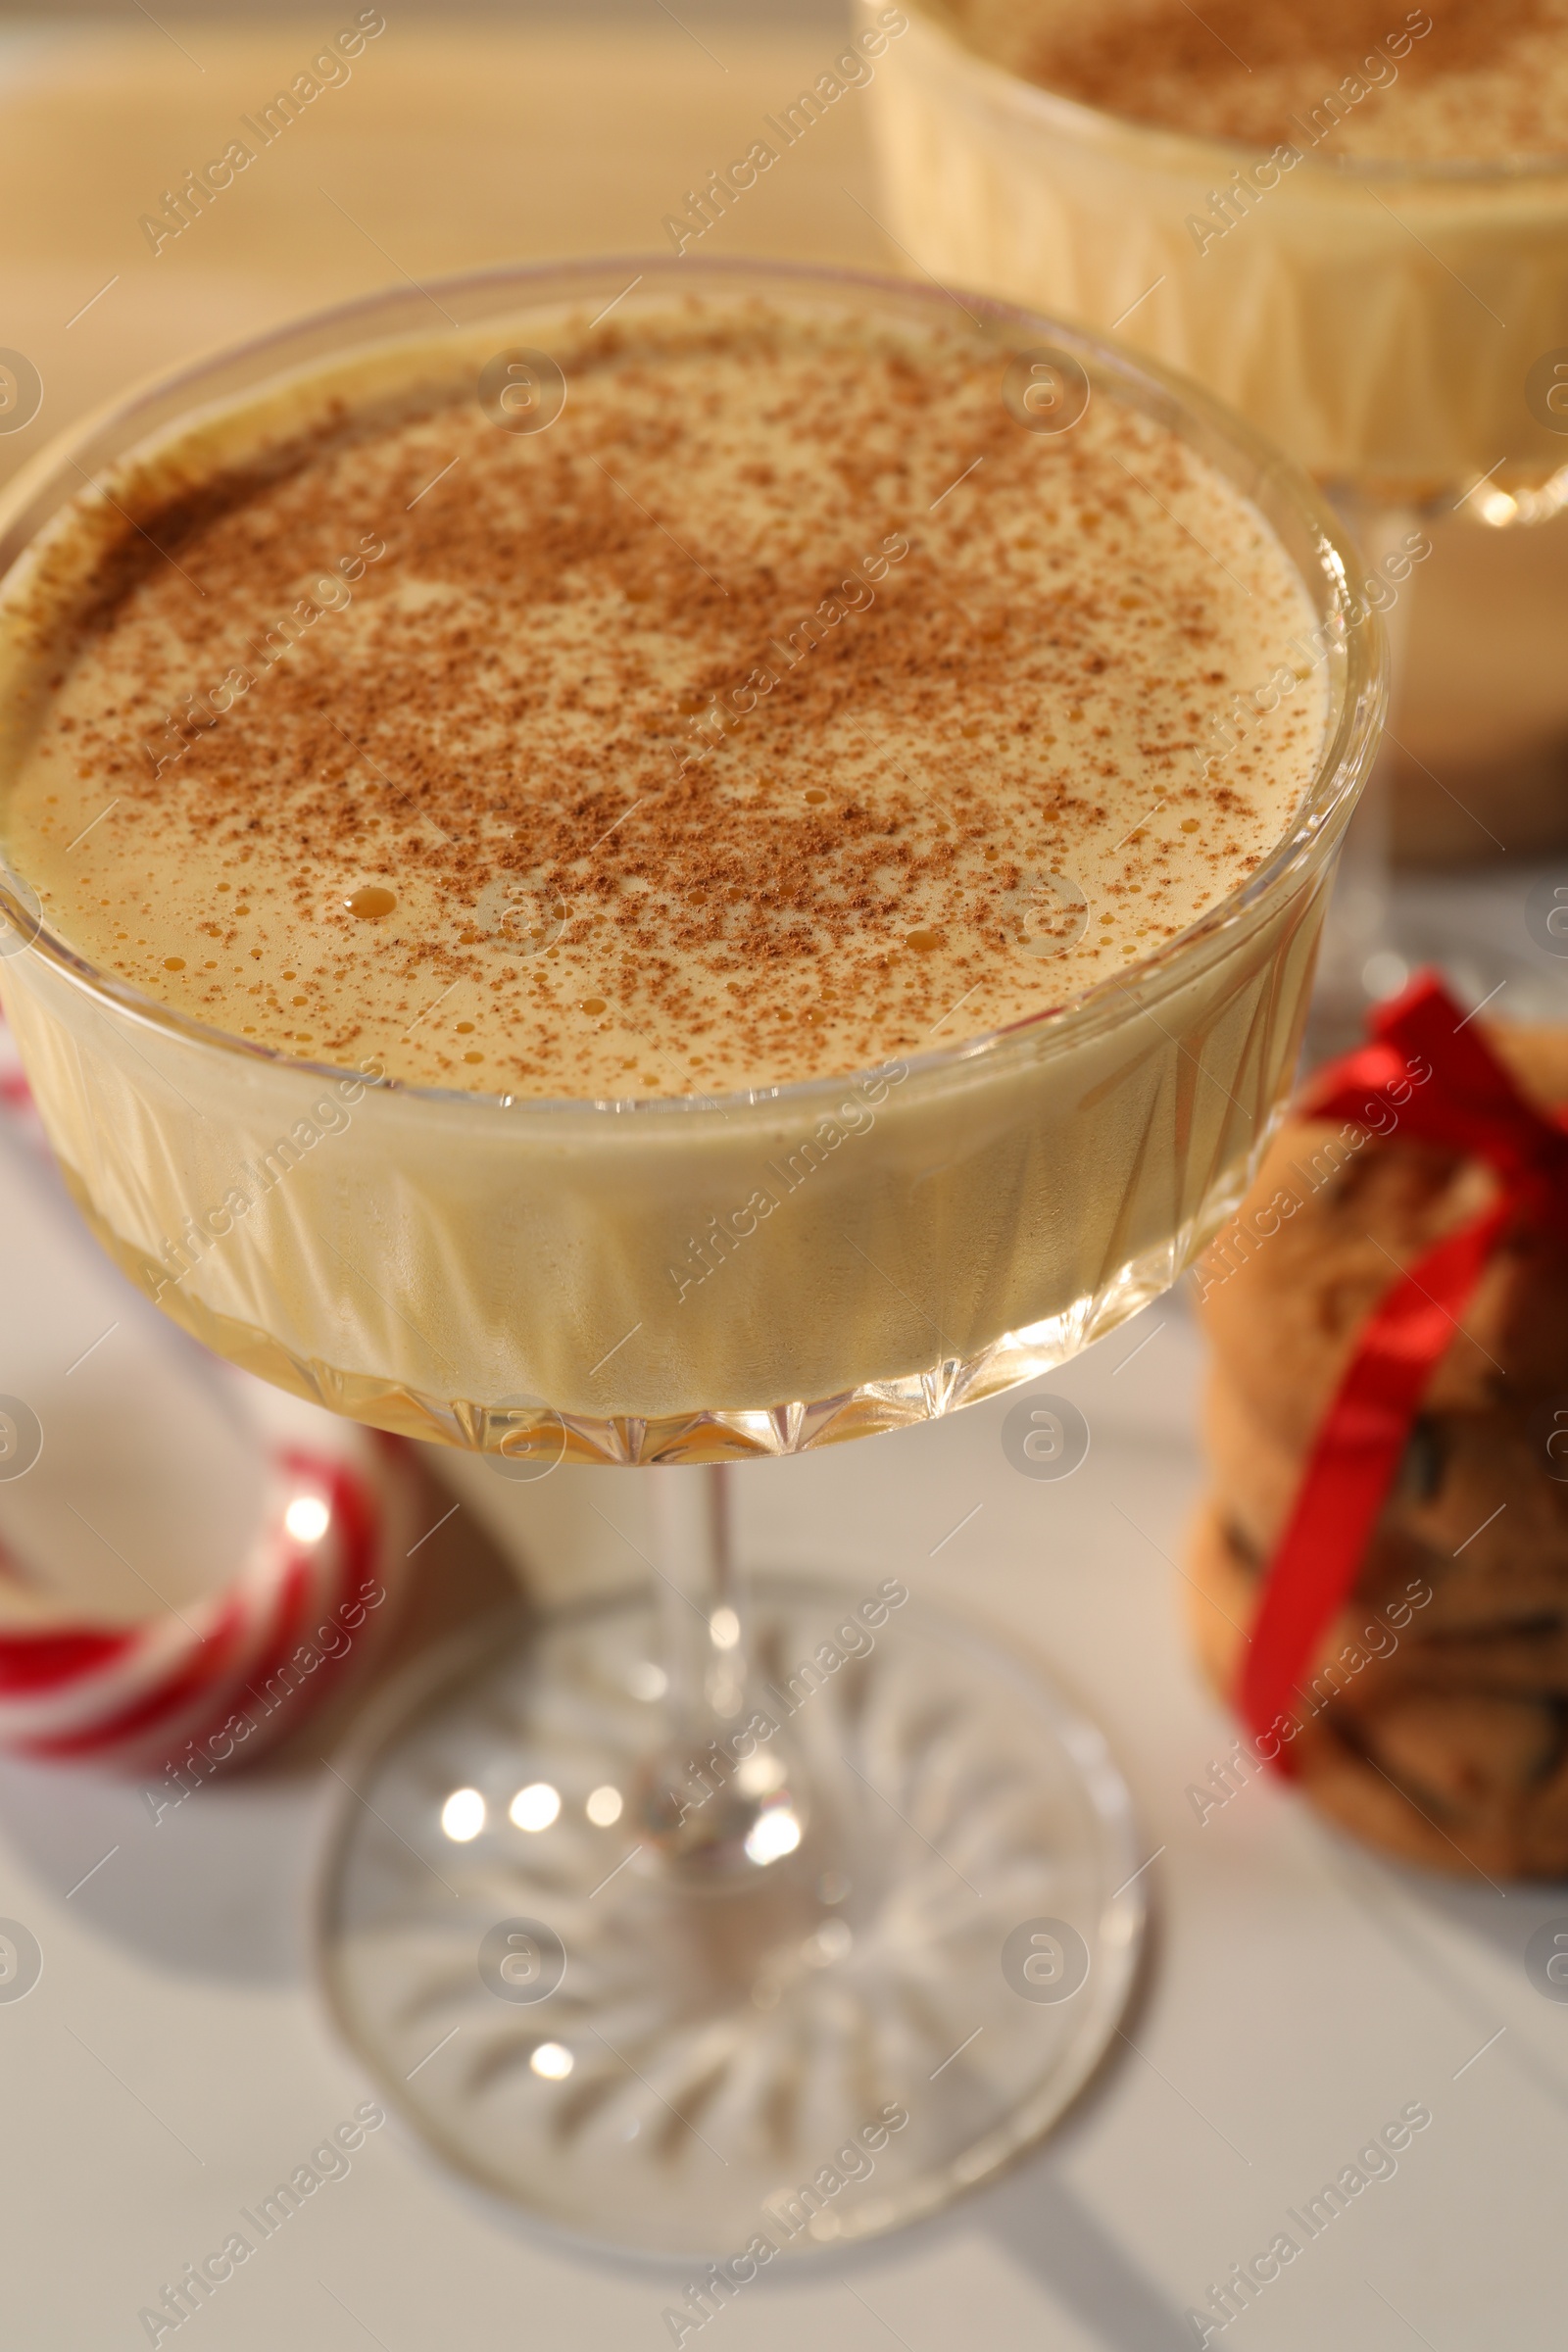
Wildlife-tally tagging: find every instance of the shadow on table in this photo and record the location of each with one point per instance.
(219, 1884)
(1407, 1903)
(1047, 2229)
(1505, 1916)
(1053, 2235)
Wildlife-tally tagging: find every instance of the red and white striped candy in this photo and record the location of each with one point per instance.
(228, 1674)
(309, 1594)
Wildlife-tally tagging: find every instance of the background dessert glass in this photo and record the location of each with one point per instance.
(624, 1957)
(1394, 325)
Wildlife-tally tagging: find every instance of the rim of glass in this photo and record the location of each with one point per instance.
(1099, 123)
(1357, 657)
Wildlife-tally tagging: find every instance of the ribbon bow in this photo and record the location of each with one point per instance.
(1467, 1103)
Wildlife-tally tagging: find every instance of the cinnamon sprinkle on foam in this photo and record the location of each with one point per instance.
(698, 742)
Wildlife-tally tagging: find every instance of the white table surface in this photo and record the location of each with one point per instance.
(174, 2062)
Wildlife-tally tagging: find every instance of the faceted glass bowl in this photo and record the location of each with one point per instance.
(944, 1227)
(1379, 319)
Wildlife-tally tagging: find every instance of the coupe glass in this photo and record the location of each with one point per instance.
(676, 1921)
(1395, 326)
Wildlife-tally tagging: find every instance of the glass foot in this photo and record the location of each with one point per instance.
(740, 2071)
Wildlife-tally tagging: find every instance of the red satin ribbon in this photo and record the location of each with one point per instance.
(1468, 1103)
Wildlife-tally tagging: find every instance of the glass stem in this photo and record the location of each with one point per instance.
(702, 1600)
(721, 1797)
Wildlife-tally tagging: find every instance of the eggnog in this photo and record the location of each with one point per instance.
(786, 704)
(706, 881)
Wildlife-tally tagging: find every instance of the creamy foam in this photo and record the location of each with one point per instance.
(1476, 80)
(783, 707)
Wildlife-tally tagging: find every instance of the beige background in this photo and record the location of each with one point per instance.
(449, 149)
